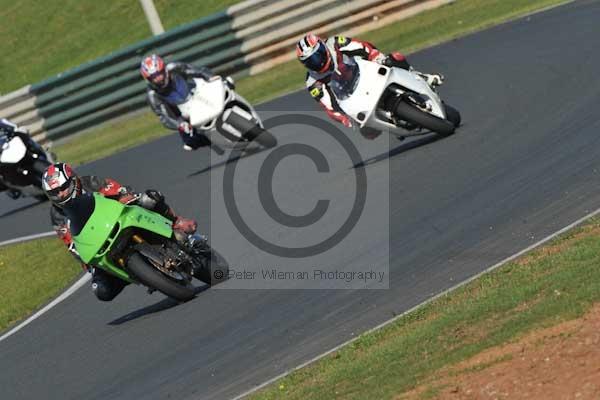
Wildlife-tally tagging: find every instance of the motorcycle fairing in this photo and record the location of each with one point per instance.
(372, 84)
(206, 103)
(415, 83)
(366, 95)
(13, 151)
(105, 224)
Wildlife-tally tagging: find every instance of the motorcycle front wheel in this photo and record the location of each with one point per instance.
(253, 131)
(149, 276)
(216, 270)
(408, 112)
(452, 115)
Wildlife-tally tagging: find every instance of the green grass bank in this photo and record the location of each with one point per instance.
(31, 274)
(44, 38)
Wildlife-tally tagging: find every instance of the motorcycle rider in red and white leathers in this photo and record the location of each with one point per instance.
(63, 186)
(169, 85)
(321, 58)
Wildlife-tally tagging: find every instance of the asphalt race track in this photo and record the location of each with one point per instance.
(525, 163)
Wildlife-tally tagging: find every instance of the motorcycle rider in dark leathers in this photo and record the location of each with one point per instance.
(168, 85)
(63, 186)
(321, 58)
(7, 127)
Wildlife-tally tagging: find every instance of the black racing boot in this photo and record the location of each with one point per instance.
(196, 244)
(433, 80)
(13, 194)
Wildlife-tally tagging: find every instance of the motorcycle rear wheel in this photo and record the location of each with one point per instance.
(217, 272)
(151, 277)
(412, 114)
(452, 115)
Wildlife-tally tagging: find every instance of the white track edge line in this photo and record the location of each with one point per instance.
(431, 299)
(54, 302)
(27, 238)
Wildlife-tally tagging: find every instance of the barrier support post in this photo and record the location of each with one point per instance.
(152, 17)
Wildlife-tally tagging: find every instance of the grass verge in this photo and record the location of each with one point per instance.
(174, 13)
(48, 37)
(28, 279)
(426, 29)
(557, 282)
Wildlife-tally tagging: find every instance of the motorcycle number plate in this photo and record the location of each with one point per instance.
(14, 152)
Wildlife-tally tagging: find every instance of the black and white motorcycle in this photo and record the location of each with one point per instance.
(213, 105)
(390, 99)
(22, 163)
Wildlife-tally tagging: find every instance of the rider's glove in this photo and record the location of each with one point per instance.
(346, 121)
(342, 118)
(380, 59)
(185, 128)
(64, 234)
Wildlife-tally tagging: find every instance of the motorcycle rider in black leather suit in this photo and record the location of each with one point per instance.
(63, 187)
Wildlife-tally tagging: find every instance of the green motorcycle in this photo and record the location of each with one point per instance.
(138, 246)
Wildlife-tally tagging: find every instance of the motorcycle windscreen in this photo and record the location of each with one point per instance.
(206, 103)
(345, 78)
(98, 228)
(13, 151)
(367, 87)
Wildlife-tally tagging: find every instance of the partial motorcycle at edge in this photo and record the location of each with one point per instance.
(22, 163)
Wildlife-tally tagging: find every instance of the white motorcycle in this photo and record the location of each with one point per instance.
(213, 105)
(390, 99)
(22, 164)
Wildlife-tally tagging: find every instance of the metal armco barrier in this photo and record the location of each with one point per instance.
(245, 39)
